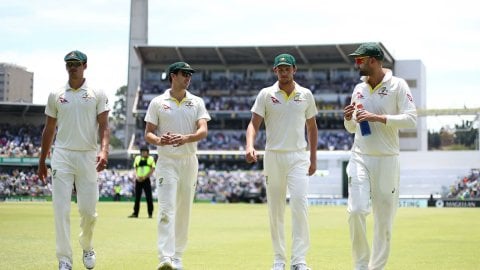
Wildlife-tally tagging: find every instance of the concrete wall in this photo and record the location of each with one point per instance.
(421, 172)
(414, 72)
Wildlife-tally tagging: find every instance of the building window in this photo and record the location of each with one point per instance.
(412, 83)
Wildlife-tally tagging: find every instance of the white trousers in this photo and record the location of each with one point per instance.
(376, 180)
(69, 167)
(176, 181)
(282, 170)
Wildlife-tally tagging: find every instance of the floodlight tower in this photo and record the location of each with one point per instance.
(138, 36)
(478, 129)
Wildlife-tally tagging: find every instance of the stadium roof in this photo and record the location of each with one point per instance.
(252, 55)
(21, 109)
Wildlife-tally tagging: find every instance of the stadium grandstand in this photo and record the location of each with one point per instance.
(228, 79)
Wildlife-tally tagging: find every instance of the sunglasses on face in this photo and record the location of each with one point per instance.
(186, 74)
(73, 64)
(360, 60)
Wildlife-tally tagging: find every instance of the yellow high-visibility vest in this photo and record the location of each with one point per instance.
(143, 166)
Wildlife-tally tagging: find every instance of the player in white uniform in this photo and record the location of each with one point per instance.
(175, 122)
(75, 116)
(373, 169)
(286, 108)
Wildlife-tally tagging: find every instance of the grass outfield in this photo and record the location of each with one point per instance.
(236, 236)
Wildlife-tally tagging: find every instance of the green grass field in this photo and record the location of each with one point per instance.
(236, 236)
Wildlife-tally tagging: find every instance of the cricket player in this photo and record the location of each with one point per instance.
(175, 122)
(76, 116)
(286, 108)
(373, 169)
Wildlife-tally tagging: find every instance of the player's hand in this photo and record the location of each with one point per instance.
(102, 161)
(364, 115)
(348, 111)
(42, 171)
(312, 169)
(166, 139)
(251, 155)
(178, 140)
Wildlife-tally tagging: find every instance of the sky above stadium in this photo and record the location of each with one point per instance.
(444, 35)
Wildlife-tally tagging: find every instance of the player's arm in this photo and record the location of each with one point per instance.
(348, 122)
(104, 134)
(407, 116)
(201, 133)
(252, 131)
(152, 138)
(150, 135)
(47, 139)
(312, 136)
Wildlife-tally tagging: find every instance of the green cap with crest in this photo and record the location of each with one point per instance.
(76, 56)
(284, 59)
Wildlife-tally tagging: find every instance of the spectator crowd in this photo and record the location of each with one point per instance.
(467, 187)
(212, 185)
(217, 181)
(20, 140)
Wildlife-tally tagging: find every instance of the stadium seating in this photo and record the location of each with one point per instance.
(467, 187)
(228, 98)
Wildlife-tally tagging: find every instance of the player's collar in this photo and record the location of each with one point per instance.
(83, 87)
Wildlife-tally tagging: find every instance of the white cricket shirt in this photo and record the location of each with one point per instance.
(392, 98)
(285, 116)
(76, 113)
(169, 115)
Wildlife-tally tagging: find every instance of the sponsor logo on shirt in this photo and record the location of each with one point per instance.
(188, 103)
(359, 95)
(62, 100)
(275, 100)
(86, 97)
(298, 97)
(166, 107)
(383, 91)
(410, 97)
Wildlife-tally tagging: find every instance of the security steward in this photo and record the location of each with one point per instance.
(144, 165)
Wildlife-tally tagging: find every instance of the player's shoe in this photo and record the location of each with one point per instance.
(133, 216)
(177, 264)
(299, 266)
(165, 264)
(278, 266)
(89, 259)
(64, 265)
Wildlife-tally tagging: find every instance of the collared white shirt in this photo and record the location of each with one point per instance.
(392, 98)
(285, 116)
(76, 111)
(170, 115)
